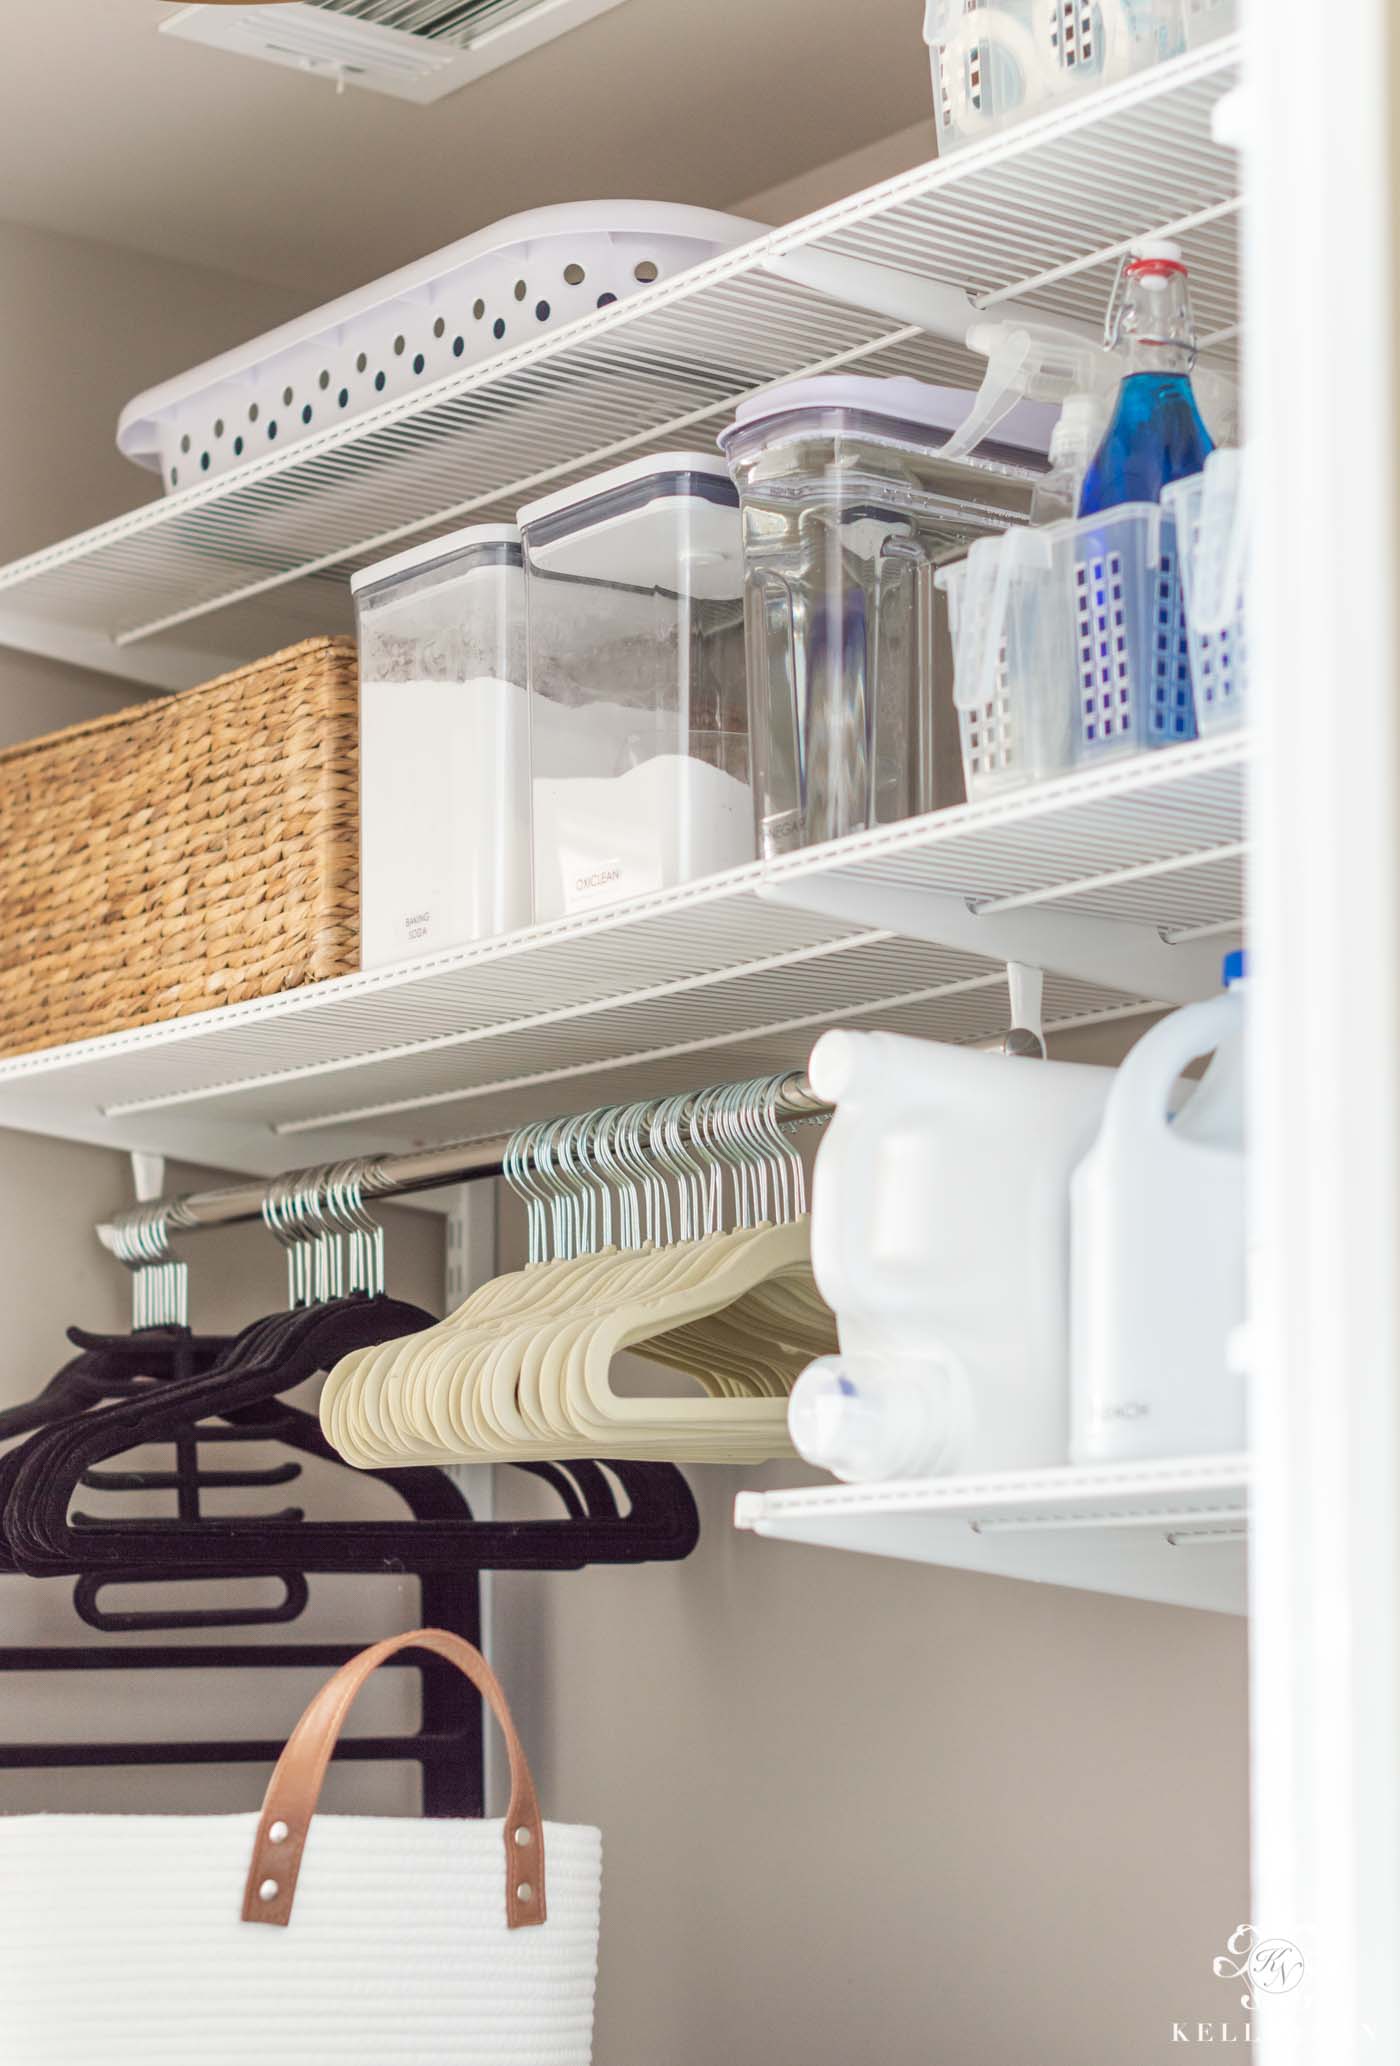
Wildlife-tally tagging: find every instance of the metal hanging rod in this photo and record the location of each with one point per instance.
(380, 1176)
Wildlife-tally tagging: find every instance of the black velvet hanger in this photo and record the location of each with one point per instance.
(107, 1366)
(39, 1482)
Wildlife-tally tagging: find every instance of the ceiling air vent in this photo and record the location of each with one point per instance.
(414, 49)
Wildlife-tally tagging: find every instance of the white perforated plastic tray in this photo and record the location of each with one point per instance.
(518, 279)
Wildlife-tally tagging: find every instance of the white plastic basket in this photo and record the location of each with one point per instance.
(997, 61)
(1009, 653)
(1207, 19)
(517, 280)
(1131, 668)
(1211, 515)
(1069, 646)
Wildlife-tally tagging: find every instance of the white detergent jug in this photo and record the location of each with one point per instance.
(940, 1238)
(1158, 1216)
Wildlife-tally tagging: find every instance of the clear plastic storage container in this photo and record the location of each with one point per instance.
(638, 722)
(444, 745)
(848, 507)
(997, 61)
(1211, 513)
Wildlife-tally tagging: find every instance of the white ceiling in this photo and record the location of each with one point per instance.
(108, 130)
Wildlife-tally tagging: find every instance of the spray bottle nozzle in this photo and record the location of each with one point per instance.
(1028, 361)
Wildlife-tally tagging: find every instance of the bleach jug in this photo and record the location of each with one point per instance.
(1158, 1240)
(940, 1238)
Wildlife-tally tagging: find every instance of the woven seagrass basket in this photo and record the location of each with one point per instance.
(193, 851)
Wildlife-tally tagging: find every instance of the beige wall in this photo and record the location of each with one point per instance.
(82, 330)
(834, 180)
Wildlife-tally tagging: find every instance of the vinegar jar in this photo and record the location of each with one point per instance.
(848, 508)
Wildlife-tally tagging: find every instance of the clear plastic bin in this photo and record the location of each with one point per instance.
(444, 745)
(1070, 647)
(1211, 514)
(996, 62)
(849, 506)
(638, 721)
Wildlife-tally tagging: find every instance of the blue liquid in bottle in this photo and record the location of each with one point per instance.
(1154, 437)
(1156, 434)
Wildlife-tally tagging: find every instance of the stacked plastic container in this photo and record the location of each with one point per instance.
(638, 715)
(444, 771)
(1088, 640)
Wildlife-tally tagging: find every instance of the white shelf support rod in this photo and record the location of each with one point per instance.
(1026, 987)
(147, 1176)
(1108, 951)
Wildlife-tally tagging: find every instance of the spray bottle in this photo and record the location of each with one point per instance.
(1039, 362)
(1026, 359)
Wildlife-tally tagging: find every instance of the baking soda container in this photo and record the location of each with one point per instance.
(940, 1238)
(444, 774)
(639, 744)
(1158, 1217)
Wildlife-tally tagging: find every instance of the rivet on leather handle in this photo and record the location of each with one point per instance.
(295, 1787)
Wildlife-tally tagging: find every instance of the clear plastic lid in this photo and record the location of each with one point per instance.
(663, 522)
(901, 410)
(460, 552)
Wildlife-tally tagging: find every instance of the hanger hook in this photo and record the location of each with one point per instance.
(518, 1169)
(287, 1227)
(343, 1202)
(160, 1283)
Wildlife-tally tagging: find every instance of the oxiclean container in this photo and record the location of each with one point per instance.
(638, 719)
(444, 746)
(848, 507)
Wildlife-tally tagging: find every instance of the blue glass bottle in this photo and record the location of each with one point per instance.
(1155, 434)
(1134, 671)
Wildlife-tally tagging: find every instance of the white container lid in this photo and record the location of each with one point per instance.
(654, 467)
(622, 542)
(1025, 428)
(419, 557)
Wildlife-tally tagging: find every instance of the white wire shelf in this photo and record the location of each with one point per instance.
(218, 574)
(1174, 1532)
(715, 981)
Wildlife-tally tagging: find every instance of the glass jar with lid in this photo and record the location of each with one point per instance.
(848, 509)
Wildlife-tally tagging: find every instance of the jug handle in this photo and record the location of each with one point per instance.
(1149, 1071)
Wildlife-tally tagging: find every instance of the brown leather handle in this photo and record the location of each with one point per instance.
(295, 1786)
